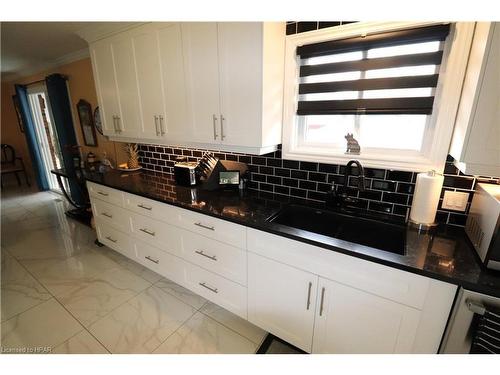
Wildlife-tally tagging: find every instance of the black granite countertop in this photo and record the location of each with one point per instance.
(446, 254)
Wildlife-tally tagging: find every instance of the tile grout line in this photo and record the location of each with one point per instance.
(79, 322)
(59, 302)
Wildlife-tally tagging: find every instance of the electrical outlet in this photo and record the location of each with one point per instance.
(455, 200)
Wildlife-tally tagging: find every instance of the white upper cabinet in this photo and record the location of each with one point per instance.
(176, 124)
(129, 120)
(200, 84)
(240, 69)
(476, 138)
(148, 70)
(202, 72)
(104, 74)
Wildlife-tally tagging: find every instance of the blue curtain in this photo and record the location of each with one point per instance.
(29, 131)
(63, 122)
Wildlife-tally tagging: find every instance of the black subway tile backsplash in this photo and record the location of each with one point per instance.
(399, 176)
(308, 166)
(459, 182)
(302, 27)
(291, 164)
(384, 185)
(386, 191)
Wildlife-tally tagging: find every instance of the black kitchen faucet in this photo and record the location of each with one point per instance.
(337, 196)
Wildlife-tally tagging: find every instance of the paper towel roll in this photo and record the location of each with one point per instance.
(426, 198)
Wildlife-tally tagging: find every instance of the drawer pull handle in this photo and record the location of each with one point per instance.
(111, 239)
(145, 207)
(322, 301)
(215, 290)
(152, 260)
(107, 215)
(200, 252)
(105, 194)
(198, 224)
(309, 296)
(147, 231)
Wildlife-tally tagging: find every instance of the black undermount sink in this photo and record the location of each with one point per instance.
(372, 231)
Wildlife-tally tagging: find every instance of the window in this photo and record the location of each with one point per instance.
(383, 86)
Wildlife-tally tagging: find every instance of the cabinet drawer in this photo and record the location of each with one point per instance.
(399, 286)
(111, 215)
(215, 256)
(159, 261)
(114, 239)
(220, 230)
(217, 289)
(105, 193)
(152, 208)
(156, 233)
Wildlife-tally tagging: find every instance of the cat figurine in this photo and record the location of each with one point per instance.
(352, 145)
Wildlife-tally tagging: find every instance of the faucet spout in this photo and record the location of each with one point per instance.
(361, 174)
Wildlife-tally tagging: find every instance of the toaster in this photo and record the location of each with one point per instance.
(185, 173)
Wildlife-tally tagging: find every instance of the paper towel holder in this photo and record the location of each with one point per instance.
(427, 227)
(422, 227)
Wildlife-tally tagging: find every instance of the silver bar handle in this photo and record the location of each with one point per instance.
(114, 124)
(111, 239)
(198, 224)
(309, 296)
(200, 252)
(214, 121)
(151, 259)
(107, 215)
(215, 290)
(156, 126)
(151, 233)
(162, 129)
(475, 307)
(222, 119)
(145, 207)
(118, 124)
(322, 301)
(101, 193)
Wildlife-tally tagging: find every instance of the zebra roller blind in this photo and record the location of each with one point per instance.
(386, 73)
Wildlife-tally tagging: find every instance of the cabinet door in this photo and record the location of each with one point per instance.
(129, 121)
(104, 75)
(281, 300)
(202, 75)
(176, 123)
(147, 62)
(483, 147)
(240, 61)
(349, 320)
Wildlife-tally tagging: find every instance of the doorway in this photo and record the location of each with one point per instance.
(45, 132)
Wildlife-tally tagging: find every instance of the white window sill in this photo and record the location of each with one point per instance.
(404, 161)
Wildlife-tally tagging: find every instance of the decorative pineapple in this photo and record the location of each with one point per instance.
(133, 155)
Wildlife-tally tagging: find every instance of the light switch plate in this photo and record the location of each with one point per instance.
(455, 200)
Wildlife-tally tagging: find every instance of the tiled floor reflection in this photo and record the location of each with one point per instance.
(62, 294)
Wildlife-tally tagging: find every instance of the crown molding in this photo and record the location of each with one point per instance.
(36, 68)
(99, 31)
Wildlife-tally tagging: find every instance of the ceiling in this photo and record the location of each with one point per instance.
(28, 47)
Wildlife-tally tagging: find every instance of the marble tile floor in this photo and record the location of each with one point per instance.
(60, 293)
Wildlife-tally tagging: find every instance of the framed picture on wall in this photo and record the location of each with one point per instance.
(17, 108)
(87, 123)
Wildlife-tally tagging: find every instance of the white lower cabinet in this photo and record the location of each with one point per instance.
(114, 239)
(349, 320)
(318, 300)
(282, 300)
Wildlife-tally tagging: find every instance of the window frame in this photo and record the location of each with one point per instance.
(438, 132)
